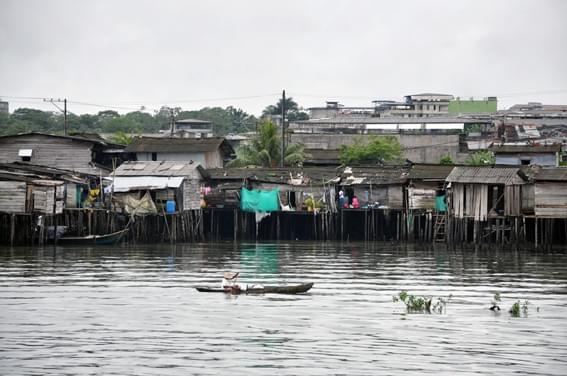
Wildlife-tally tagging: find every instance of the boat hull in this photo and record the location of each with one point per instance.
(292, 289)
(107, 239)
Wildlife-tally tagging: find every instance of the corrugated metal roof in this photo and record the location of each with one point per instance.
(525, 148)
(176, 145)
(163, 168)
(137, 183)
(192, 121)
(307, 175)
(377, 175)
(538, 173)
(430, 172)
(485, 175)
(83, 138)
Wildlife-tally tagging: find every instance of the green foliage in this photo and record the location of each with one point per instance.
(264, 150)
(378, 149)
(420, 304)
(312, 204)
(481, 158)
(519, 309)
(446, 160)
(293, 111)
(473, 128)
(228, 120)
(122, 138)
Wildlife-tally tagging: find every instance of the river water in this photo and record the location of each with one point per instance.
(133, 310)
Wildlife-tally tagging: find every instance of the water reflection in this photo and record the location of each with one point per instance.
(133, 310)
(260, 260)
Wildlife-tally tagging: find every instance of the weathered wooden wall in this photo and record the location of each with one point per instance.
(49, 151)
(43, 199)
(395, 197)
(12, 196)
(191, 194)
(551, 199)
(528, 198)
(422, 196)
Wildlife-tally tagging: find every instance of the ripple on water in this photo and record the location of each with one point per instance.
(133, 310)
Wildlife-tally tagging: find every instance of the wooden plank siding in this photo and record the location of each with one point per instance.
(470, 200)
(49, 151)
(513, 200)
(422, 196)
(551, 199)
(12, 197)
(395, 197)
(528, 199)
(191, 194)
(43, 199)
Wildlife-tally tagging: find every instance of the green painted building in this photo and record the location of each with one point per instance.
(459, 106)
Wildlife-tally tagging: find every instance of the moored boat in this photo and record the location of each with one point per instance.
(106, 239)
(254, 289)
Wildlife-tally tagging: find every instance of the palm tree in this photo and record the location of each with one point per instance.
(122, 138)
(292, 109)
(265, 150)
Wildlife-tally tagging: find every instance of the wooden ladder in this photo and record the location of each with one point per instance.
(440, 228)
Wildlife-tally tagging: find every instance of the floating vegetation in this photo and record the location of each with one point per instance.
(421, 304)
(519, 309)
(495, 301)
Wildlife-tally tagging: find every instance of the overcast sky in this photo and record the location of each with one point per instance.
(243, 53)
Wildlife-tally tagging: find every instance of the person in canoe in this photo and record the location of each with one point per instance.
(229, 282)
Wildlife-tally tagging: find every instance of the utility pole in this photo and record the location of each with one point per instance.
(65, 115)
(283, 129)
(64, 110)
(172, 123)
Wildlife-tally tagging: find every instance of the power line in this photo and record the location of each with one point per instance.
(105, 106)
(201, 100)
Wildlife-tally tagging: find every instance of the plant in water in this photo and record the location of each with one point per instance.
(519, 308)
(420, 304)
(495, 301)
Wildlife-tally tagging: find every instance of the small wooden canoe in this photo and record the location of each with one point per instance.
(106, 239)
(291, 289)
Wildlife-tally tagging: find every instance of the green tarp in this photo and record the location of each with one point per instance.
(256, 200)
(440, 204)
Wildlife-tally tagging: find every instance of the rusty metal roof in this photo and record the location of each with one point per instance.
(485, 175)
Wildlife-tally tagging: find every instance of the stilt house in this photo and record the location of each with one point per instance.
(482, 192)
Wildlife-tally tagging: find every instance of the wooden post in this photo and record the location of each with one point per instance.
(342, 224)
(278, 225)
(235, 216)
(55, 215)
(536, 234)
(89, 222)
(211, 211)
(12, 229)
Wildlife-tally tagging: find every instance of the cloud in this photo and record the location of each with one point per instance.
(152, 52)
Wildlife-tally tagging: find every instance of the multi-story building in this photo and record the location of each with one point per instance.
(4, 107)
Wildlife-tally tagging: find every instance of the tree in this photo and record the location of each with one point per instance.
(446, 159)
(293, 111)
(264, 150)
(122, 138)
(481, 158)
(378, 149)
